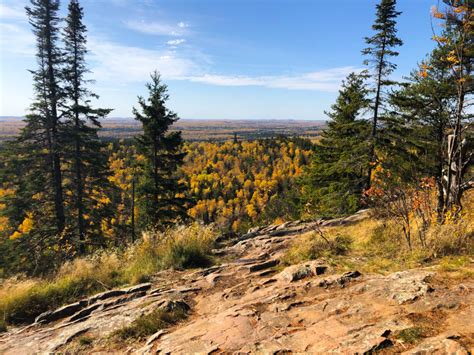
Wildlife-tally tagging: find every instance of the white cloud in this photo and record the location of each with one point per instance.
(115, 63)
(176, 42)
(157, 28)
(12, 12)
(328, 80)
(124, 64)
(182, 25)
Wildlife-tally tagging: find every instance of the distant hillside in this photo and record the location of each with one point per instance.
(195, 129)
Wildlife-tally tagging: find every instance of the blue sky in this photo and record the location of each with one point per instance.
(221, 59)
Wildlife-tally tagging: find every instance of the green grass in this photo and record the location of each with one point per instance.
(85, 341)
(185, 247)
(149, 324)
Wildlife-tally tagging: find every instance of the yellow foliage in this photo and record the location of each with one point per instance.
(25, 227)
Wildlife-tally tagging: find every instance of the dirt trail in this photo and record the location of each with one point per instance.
(251, 304)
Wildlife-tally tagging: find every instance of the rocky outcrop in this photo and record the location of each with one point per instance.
(443, 344)
(252, 304)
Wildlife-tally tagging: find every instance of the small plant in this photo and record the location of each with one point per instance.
(410, 335)
(85, 340)
(149, 324)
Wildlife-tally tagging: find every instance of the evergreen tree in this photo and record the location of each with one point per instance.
(334, 182)
(88, 161)
(160, 202)
(381, 46)
(416, 136)
(43, 126)
(31, 166)
(430, 132)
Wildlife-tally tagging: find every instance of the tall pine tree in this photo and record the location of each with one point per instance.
(381, 46)
(43, 126)
(160, 192)
(334, 182)
(85, 151)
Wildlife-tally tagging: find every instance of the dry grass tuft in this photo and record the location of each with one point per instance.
(21, 300)
(149, 324)
(312, 245)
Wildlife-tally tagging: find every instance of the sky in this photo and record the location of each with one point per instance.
(221, 59)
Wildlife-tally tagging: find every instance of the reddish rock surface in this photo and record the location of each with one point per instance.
(254, 305)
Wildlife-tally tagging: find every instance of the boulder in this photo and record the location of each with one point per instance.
(406, 286)
(265, 265)
(301, 271)
(295, 273)
(172, 305)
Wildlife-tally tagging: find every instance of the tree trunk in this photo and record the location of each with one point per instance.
(375, 118)
(55, 144)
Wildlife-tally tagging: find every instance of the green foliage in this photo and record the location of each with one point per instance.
(334, 182)
(86, 182)
(161, 202)
(381, 45)
(149, 324)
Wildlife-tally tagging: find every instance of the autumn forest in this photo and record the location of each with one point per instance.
(154, 200)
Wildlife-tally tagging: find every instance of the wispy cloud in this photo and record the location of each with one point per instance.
(113, 62)
(176, 42)
(328, 80)
(158, 28)
(125, 64)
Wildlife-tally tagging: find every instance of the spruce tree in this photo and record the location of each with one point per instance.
(159, 189)
(43, 129)
(416, 135)
(334, 182)
(85, 151)
(381, 46)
